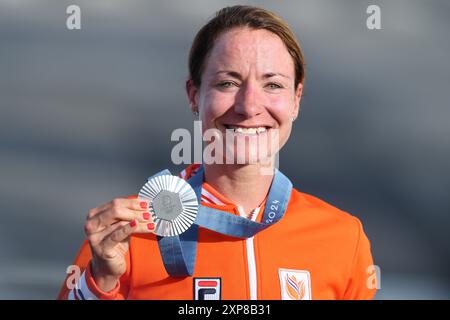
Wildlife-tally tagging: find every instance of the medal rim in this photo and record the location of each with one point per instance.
(188, 199)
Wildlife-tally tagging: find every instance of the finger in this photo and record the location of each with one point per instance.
(123, 232)
(130, 203)
(145, 227)
(94, 211)
(133, 204)
(119, 235)
(110, 216)
(96, 238)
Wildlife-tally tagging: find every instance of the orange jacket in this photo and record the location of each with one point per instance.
(315, 251)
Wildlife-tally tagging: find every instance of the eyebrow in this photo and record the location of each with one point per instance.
(237, 75)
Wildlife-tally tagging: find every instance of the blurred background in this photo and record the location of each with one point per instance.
(86, 115)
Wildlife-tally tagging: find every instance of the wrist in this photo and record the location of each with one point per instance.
(105, 282)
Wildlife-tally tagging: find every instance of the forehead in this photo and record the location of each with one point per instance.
(244, 48)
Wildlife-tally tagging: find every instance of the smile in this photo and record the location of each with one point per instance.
(247, 130)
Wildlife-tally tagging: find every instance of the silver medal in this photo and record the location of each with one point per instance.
(173, 204)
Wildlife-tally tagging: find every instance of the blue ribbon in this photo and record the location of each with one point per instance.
(179, 252)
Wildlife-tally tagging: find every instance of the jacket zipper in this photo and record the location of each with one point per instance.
(251, 261)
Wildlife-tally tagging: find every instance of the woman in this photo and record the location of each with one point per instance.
(246, 77)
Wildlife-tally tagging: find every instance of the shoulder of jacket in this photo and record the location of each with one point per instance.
(321, 210)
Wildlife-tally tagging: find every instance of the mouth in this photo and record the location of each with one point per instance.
(248, 130)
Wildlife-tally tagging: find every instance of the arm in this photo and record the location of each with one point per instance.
(362, 280)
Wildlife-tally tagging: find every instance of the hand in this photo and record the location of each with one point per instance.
(108, 229)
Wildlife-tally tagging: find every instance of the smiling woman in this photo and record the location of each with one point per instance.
(248, 86)
(255, 236)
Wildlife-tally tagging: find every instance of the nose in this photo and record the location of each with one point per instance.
(248, 101)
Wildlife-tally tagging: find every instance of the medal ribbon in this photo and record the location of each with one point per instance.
(179, 252)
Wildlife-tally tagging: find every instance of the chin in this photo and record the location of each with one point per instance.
(247, 156)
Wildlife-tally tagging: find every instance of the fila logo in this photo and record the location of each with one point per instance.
(207, 288)
(295, 284)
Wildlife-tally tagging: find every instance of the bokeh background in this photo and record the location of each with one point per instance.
(86, 115)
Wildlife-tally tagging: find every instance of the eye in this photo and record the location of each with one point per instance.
(226, 84)
(273, 85)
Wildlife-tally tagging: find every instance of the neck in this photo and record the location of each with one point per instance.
(244, 185)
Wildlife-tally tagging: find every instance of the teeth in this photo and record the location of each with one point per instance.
(261, 129)
(248, 130)
(245, 130)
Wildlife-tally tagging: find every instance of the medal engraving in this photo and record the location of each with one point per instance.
(173, 204)
(167, 205)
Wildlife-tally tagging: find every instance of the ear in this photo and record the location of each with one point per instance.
(192, 93)
(297, 98)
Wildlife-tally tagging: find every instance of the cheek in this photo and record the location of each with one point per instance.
(281, 107)
(215, 104)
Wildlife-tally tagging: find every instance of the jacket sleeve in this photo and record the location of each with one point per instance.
(80, 285)
(362, 281)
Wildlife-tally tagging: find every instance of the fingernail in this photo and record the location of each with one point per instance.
(143, 205)
(151, 226)
(146, 215)
(133, 223)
